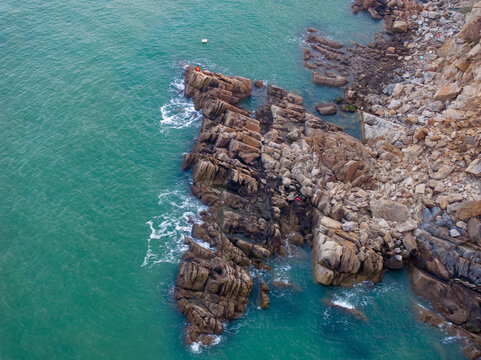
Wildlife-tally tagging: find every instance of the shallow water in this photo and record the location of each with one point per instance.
(94, 203)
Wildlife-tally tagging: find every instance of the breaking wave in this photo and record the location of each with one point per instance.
(166, 241)
(179, 112)
(197, 347)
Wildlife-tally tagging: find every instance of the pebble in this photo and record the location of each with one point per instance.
(454, 233)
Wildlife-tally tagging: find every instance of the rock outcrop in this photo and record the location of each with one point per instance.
(424, 130)
(410, 194)
(396, 13)
(271, 180)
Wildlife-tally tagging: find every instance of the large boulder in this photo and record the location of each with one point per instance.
(390, 210)
(326, 80)
(447, 92)
(468, 209)
(474, 167)
(400, 26)
(326, 108)
(339, 259)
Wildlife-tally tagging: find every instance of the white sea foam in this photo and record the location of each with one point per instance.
(282, 273)
(197, 347)
(450, 339)
(343, 303)
(299, 40)
(178, 85)
(204, 244)
(179, 112)
(166, 241)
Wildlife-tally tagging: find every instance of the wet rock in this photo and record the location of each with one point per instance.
(357, 314)
(259, 84)
(263, 295)
(332, 81)
(209, 291)
(326, 108)
(281, 284)
(454, 301)
(471, 342)
(262, 179)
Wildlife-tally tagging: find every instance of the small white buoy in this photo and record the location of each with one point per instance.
(204, 41)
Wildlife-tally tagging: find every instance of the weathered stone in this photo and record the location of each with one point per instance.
(413, 151)
(469, 209)
(474, 167)
(406, 226)
(457, 303)
(258, 83)
(390, 211)
(400, 26)
(374, 14)
(332, 81)
(263, 295)
(330, 223)
(394, 262)
(326, 108)
(349, 226)
(474, 229)
(409, 243)
(444, 171)
(420, 189)
(445, 200)
(447, 92)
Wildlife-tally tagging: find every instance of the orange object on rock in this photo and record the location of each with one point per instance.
(197, 68)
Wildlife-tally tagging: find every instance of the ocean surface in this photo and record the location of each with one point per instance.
(94, 205)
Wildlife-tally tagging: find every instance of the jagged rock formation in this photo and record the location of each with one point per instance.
(396, 13)
(411, 195)
(425, 131)
(266, 181)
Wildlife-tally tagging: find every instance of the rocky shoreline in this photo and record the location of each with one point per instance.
(411, 195)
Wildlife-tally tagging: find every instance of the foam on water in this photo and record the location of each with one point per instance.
(343, 303)
(166, 240)
(197, 347)
(451, 339)
(281, 273)
(178, 113)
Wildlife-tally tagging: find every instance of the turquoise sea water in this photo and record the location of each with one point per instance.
(93, 204)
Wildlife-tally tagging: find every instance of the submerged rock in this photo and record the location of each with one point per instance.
(326, 108)
(327, 80)
(359, 315)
